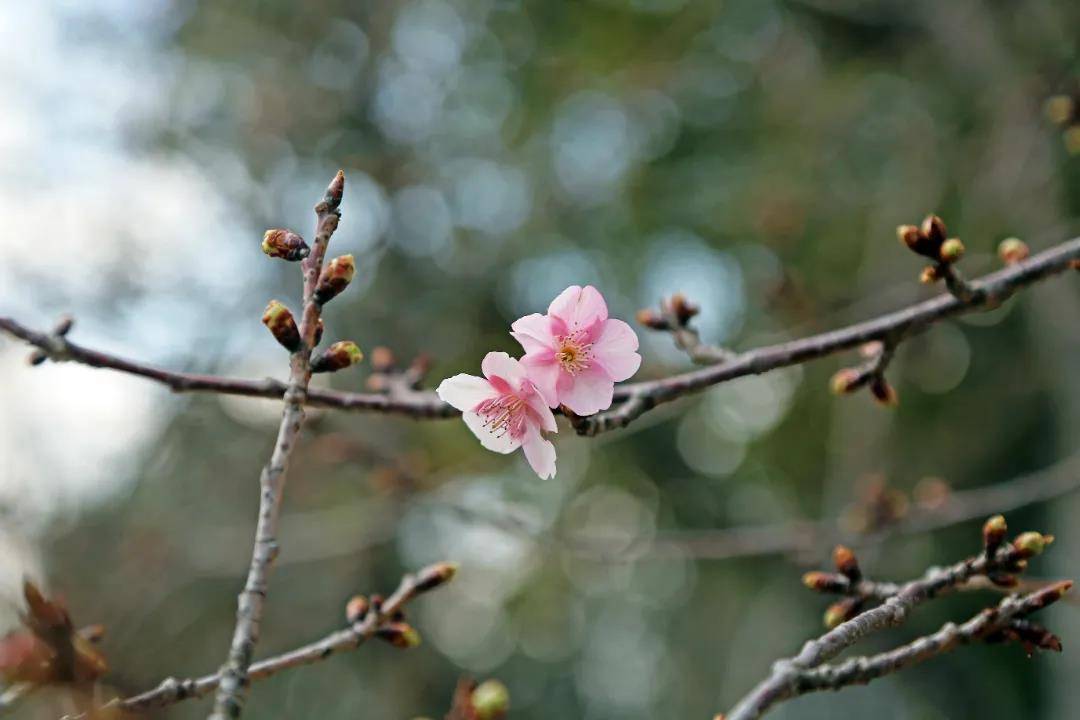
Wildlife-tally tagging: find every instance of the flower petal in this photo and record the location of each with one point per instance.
(540, 412)
(533, 332)
(591, 392)
(541, 454)
(544, 373)
(616, 350)
(579, 307)
(501, 365)
(497, 441)
(465, 392)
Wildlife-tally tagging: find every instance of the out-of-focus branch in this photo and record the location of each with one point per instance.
(795, 537)
(234, 673)
(985, 293)
(999, 562)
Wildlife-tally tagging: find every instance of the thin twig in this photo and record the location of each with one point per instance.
(173, 690)
(989, 292)
(784, 681)
(234, 673)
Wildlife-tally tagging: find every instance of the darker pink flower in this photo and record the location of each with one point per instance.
(505, 410)
(575, 354)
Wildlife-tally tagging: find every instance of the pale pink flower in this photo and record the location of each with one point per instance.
(505, 410)
(575, 354)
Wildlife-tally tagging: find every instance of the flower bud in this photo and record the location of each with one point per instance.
(825, 582)
(338, 356)
(846, 564)
(63, 325)
(651, 319)
(912, 237)
(929, 275)
(841, 611)
(490, 700)
(682, 308)
(1050, 594)
(1030, 544)
(1013, 250)
(951, 250)
(335, 277)
(284, 244)
(382, 359)
(37, 357)
(356, 608)
(993, 533)
(844, 381)
(399, 634)
(435, 575)
(279, 321)
(1003, 580)
(933, 228)
(1060, 109)
(883, 392)
(319, 327)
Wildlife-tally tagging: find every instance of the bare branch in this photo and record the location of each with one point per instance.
(234, 673)
(999, 562)
(987, 293)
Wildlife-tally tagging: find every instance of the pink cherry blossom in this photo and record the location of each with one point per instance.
(505, 410)
(575, 354)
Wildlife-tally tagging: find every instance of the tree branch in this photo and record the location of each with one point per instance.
(171, 690)
(986, 293)
(234, 673)
(999, 562)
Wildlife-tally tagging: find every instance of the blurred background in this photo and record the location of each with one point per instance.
(754, 154)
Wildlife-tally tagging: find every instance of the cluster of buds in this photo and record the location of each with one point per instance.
(340, 355)
(1064, 111)
(845, 581)
(675, 312)
(284, 244)
(335, 277)
(1013, 250)
(59, 332)
(870, 374)
(931, 240)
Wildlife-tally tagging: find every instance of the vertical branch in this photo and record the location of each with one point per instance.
(234, 673)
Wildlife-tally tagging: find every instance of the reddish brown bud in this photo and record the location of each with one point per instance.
(382, 359)
(356, 608)
(993, 533)
(490, 700)
(652, 319)
(279, 321)
(334, 191)
(1013, 250)
(826, 582)
(435, 575)
(284, 244)
(682, 308)
(844, 381)
(399, 634)
(911, 237)
(929, 275)
(37, 357)
(340, 355)
(1049, 594)
(841, 611)
(1004, 580)
(335, 277)
(319, 327)
(63, 325)
(1030, 544)
(883, 392)
(846, 563)
(951, 251)
(933, 228)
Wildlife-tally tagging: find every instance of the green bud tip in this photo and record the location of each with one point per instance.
(1013, 250)
(490, 700)
(951, 250)
(1030, 544)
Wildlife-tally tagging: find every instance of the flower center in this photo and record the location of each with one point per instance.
(504, 415)
(574, 352)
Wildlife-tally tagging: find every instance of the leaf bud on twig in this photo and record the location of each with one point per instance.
(340, 355)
